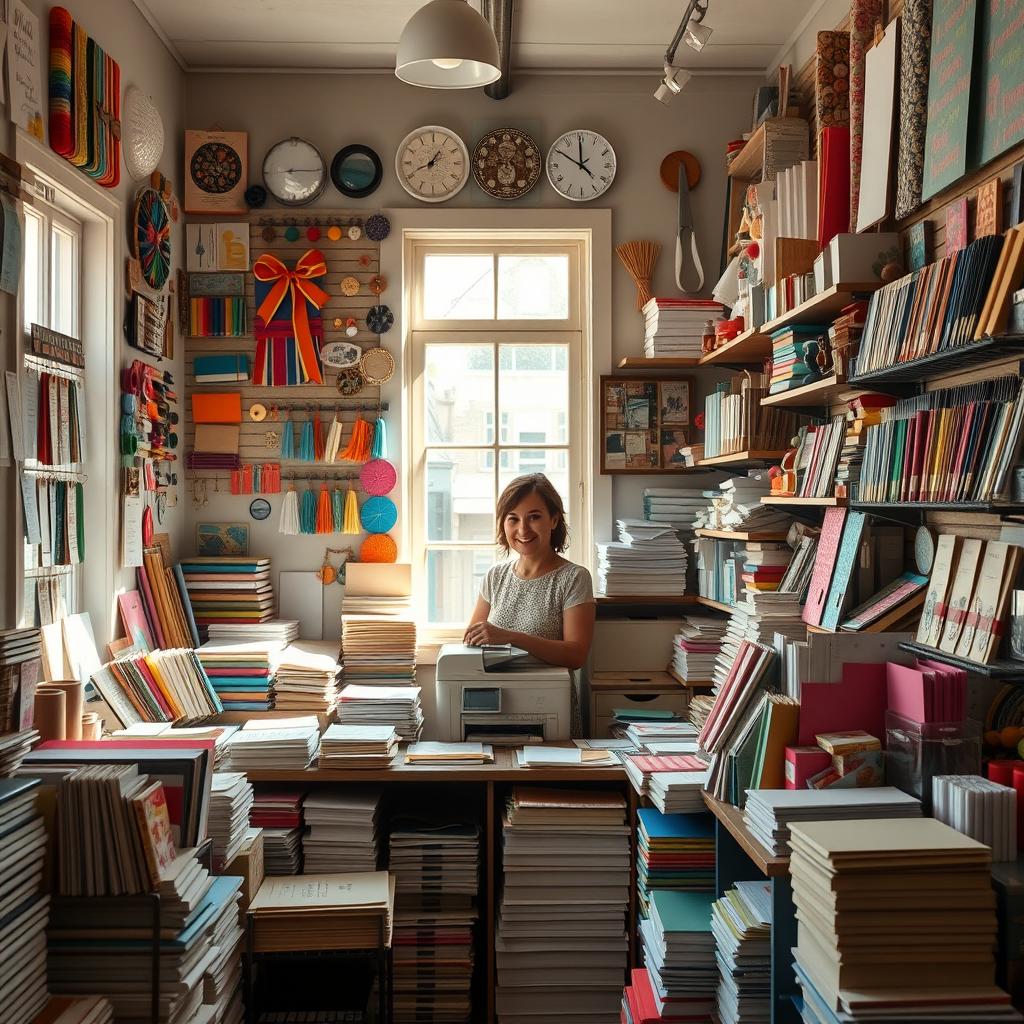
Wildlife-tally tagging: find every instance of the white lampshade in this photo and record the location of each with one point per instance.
(448, 45)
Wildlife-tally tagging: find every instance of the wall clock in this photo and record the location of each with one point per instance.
(432, 163)
(356, 171)
(294, 172)
(581, 165)
(506, 163)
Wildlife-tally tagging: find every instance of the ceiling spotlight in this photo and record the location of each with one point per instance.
(446, 44)
(672, 83)
(696, 36)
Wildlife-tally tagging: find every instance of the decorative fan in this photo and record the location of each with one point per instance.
(377, 227)
(151, 237)
(377, 366)
(378, 515)
(378, 477)
(142, 130)
(380, 319)
(378, 547)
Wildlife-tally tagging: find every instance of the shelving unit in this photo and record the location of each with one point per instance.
(737, 458)
(748, 163)
(827, 502)
(1009, 508)
(821, 393)
(747, 535)
(950, 360)
(1005, 668)
(627, 599)
(824, 306)
(721, 606)
(750, 347)
(658, 363)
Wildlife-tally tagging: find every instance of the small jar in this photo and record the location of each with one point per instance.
(707, 341)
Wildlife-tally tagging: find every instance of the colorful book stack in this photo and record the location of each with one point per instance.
(233, 590)
(242, 674)
(863, 412)
(674, 327)
(741, 922)
(695, 647)
(817, 457)
(790, 347)
(674, 851)
(764, 564)
(278, 811)
(221, 317)
(20, 671)
(163, 596)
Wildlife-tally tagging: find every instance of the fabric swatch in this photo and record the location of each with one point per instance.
(832, 80)
(913, 116)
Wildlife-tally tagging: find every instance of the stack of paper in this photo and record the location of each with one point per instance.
(358, 746)
(308, 674)
(758, 619)
(13, 748)
(549, 756)
(643, 769)
(278, 811)
(449, 753)
(979, 808)
(770, 812)
(895, 920)
(675, 327)
(222, 980)
(699, 708)
(231, 800)
(678, 506)
(378, 626)
(643, 734)
(76, 1010)
(274, 743)
(242, 674)
(681, 976)
(383, 705)
(279, 631)
(220, 734)
(561, 941)
(648, 558)
(741, 922)
(342, 830)
(695, 648)
(736, 505)
(332, 911)
(436, 865)
(674, 851)
(229, 590)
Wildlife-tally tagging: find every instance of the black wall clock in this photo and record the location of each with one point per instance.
(356, 171)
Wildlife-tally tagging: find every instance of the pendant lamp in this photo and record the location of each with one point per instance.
(446, 44)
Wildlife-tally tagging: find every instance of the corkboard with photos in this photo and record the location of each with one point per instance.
(644, 423)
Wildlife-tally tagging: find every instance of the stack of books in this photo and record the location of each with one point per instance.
(229, 590)
(222, 980)
(764, 564)
(674, 851)
(13, 748)
(164, 599)
(863, 412)
(735, 420)
(865, 893)
(231, 801)
(695, 648)
(378, 627)
(342, 830)
(25, 905)
(741, 923)
(790, 347)
(242, 674)
(817, 457)
(979, 808)
(688, 772)
(681, 976)
(436, 866)
(674, 327)
(758, 617)
(797, 577)
(398, 706)
(274, 743)
(274, 631)
(277, 810)
(845, 333)
(648, 558)
(566, 859)
(769, 813)
(163, 686)
(220, 734)
(358, 746)
(677, 506)
(20, 670)
(307, 679)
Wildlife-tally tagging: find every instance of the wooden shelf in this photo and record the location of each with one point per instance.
(748, 348)
(732, 818)
(719, 605)
(950, 360)
(690, 684)
(659, 363)
(1005, 668)
(824, 392)
(748, 163)
(739, 457)
(805, 502)
(824, 306)
(604, 599)
(740, 535)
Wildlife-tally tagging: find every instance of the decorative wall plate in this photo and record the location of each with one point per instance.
(378, 227)
(380, 319)
(377, 366)
(378, 514)
(378, 477)
(151, 237)
(216, 169)
(340, 354)
(142, 133)
(350, 382)
(506, 163)
(378, 547)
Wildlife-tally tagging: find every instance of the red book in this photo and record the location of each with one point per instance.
(824, 563)
(833, 183)
(649, 763)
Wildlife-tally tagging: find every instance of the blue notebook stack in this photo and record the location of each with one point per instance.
(674, 851)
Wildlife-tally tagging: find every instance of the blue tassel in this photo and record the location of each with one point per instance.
(380, 440)
(307, 514)
(288, 440)
(307, 452)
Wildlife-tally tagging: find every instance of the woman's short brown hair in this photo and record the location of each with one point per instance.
(521, 488)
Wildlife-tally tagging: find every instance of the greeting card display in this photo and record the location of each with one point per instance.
(644, 424)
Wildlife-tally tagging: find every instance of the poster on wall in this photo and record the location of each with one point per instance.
(216, 171)
(25, 69)
(1000, 117)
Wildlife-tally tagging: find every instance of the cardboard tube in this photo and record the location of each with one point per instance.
(92, 726)
(74, 696)
(49, 714)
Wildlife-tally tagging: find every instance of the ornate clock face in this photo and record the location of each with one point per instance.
(506, 163)
(581, 165)
(215, 168)
(432, 163)
(294, 172)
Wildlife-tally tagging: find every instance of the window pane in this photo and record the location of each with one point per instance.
(533, 393)
(459, 388)
(553, 464)
(460, 495)
(533, 287)
(453, 583)
(64, 281)
(33, 278)
(458, 287)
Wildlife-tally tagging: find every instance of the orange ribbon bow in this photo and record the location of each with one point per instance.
(300, 284)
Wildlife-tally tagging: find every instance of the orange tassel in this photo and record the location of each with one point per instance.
(324, 512)
(358, 449)
(319, 442)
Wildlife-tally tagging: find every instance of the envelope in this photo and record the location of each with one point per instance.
(217, 439)
(216, 407)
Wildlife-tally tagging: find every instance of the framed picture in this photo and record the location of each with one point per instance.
(644, 424)
(216, 539)
(216, 174)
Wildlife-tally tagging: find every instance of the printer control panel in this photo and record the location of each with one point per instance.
(481, 699)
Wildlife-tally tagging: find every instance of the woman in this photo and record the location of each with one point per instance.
(540, 602)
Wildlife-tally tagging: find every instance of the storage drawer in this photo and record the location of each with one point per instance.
(604, 704)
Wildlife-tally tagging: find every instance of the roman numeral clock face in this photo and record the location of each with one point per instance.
(432, 163)
(581, 165)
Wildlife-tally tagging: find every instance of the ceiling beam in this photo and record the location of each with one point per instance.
(499, 16)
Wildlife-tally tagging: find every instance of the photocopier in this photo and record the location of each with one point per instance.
(500, 695)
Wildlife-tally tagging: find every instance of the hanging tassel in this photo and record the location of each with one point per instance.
(289, 524)
(324, 516)
(358, 449)
(307, 512)
(351, 513)
(338, 509)
(333, 441)
(380, 440)
(318, 438)
(288, 439)
(306, 450)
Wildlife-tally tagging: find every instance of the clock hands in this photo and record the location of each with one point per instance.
(429, 165)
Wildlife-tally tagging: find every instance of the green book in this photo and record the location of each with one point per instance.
(744, 753)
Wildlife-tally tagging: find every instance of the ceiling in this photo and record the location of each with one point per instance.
(548, 35)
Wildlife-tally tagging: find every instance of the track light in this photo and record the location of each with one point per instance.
(696, 36)
(671, 84)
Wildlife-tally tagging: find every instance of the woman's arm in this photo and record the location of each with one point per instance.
(570, 652)
(480, 613)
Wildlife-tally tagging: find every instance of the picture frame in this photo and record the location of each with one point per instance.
(216, 172)
(222, 539)
(644, 423)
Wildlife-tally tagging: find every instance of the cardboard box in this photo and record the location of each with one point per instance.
(641, 644)
(858, 259)
(248, 863)
(848, 741)
(802, 763)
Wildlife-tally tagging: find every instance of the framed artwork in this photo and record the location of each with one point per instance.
(956, 226)
(988, 209)
(216, 172)
(216, 539)
(644, 423)
(919, 245)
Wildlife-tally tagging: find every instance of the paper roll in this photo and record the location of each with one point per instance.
(72, 706)
(92, 726)
(50, 718)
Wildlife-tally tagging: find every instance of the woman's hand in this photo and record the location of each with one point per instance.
(480, 634)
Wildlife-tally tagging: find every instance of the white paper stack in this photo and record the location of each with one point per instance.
(678, 506)
(279, 631)
(758, 618)
(675, 327)
(220, 734)
(643, 734)
(736, 505)
(231, 800)
(436, 866)
(378, 626)
(342, 830)
(695, 648)
(979, 808)
(648, 558)
(678, 792)
(770, 812)
(282, 851)
(383, 705)
(307, 677)
(274, 743)
(742, 925)
(561, 940)
(358, 746)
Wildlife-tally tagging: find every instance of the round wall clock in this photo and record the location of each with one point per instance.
(581, 165)
(432, 163)
(215, 168)
(356, 171)
(294, 172)
(506, 163)
(151, 237)
(142, 131)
